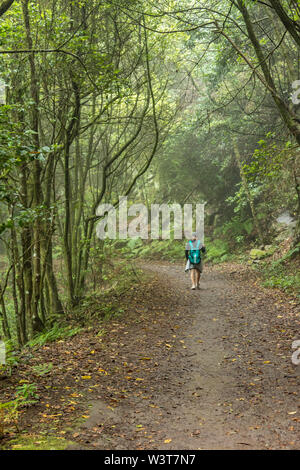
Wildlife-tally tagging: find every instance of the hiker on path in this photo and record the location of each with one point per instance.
(193, 253)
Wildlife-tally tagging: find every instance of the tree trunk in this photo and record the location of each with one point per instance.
(286, 20)
(36, 177)
(248, 193)
(287, 114)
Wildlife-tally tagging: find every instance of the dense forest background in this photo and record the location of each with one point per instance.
(165, 102)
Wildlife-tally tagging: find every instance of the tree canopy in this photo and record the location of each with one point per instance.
(173, 101)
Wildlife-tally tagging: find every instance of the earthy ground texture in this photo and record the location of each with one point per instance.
(179, 369)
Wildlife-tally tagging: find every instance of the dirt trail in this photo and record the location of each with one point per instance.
(208, 369)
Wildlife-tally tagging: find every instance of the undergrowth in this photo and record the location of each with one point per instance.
(283, 273)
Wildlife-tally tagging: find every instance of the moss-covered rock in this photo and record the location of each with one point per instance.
(271, 249)
(255, 253)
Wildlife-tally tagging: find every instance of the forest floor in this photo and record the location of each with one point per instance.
(180, 369)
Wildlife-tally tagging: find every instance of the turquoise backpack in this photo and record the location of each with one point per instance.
(195, 253)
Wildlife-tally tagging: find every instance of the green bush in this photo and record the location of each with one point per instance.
(55, 333)
(217, 251)
(288, 282)
(282, 273)
(236, 230)
(163, 249)
(172, 250)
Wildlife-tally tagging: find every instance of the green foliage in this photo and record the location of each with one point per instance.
(279, 277)
(174, 250)
(132, 246)
(235, 230)
(103, 303)
(164, 249)
(12, 358)
(57, 332)
(283, 273)
(154, 249)
(288, 282)
(42, 369)
(267, 160)
(38, 442)
(26, 395)
(217, 251)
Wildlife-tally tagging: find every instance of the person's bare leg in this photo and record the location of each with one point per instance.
(198, 275)
(193, 279)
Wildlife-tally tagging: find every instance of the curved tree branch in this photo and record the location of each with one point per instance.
(5, 6)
